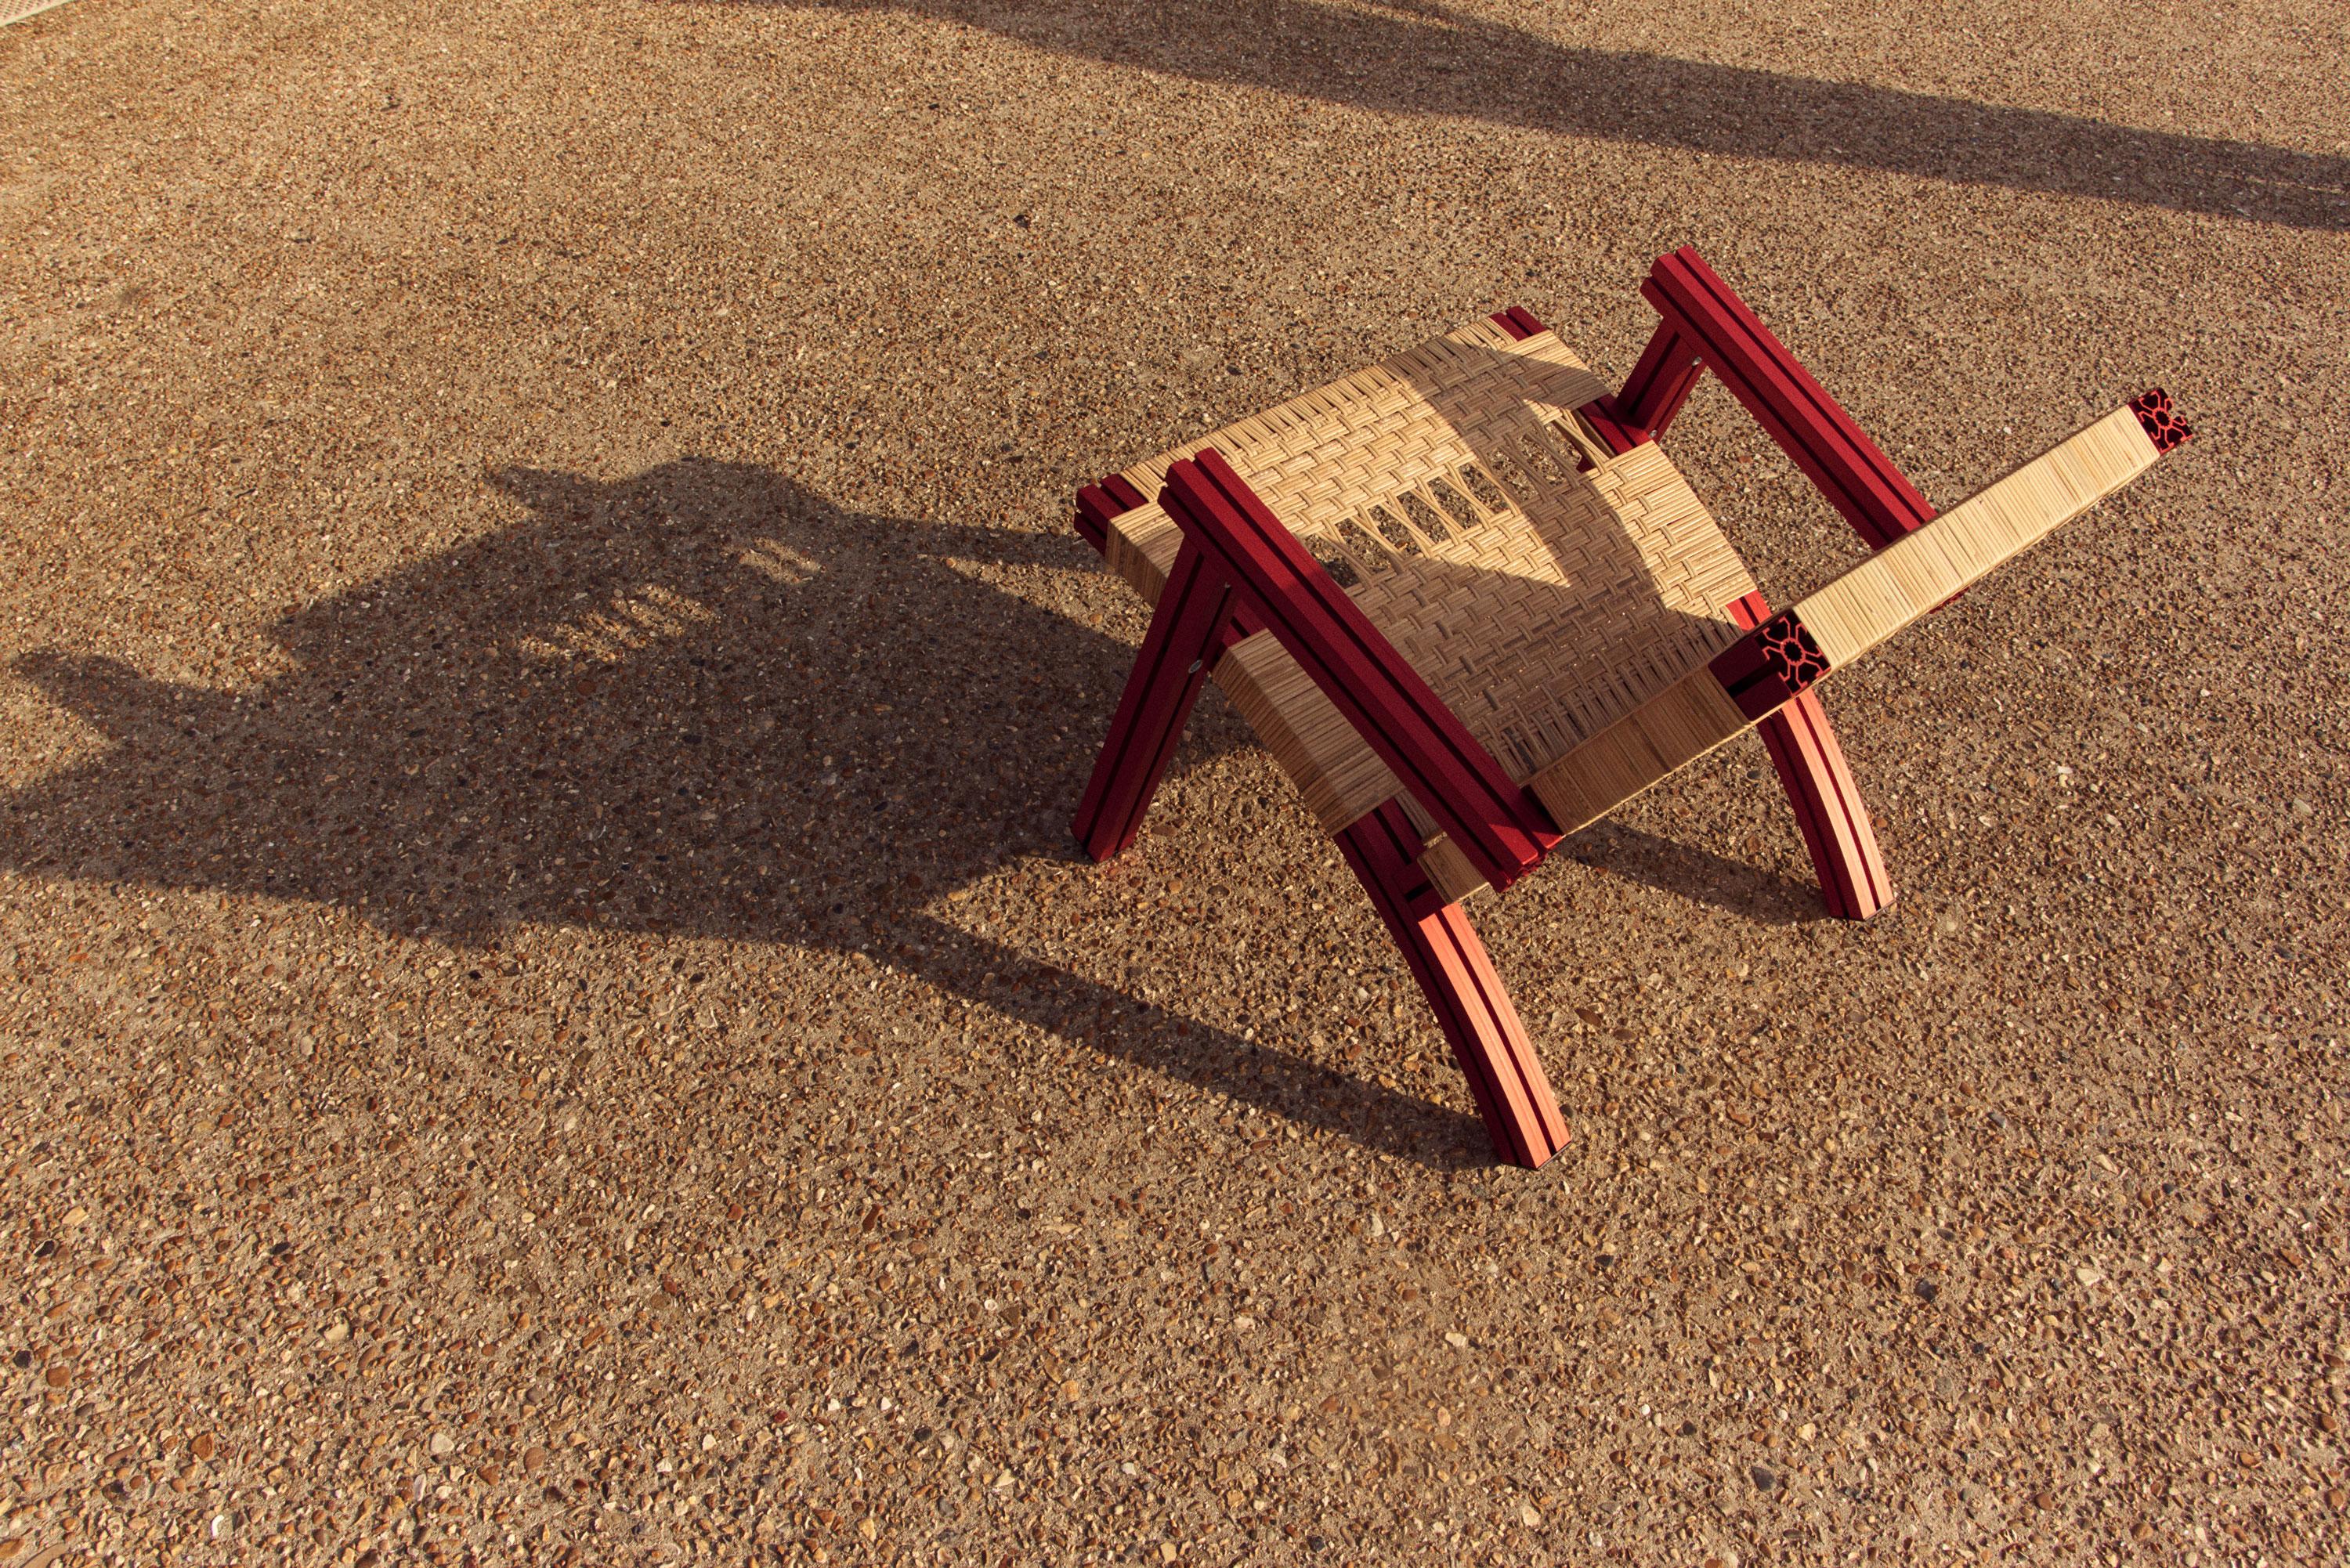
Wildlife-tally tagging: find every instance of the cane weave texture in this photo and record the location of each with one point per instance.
(23, 10)
(1543, 588)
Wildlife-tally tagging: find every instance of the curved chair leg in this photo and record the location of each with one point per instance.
(1853, 878)
(1828, 809)
(1513, 1094)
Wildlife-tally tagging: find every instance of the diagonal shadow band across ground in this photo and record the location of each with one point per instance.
(1424, 58)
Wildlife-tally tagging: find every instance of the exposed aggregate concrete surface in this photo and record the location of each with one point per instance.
(549, 1012)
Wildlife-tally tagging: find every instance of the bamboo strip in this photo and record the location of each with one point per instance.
(1661, 736)
(1909, 576)
(1855, 613)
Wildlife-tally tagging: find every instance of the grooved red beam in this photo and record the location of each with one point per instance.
(1098, 505)
(1495, 823)
(1443, 950)
(1660, 382)
(1833, 453)
(1854, 883)
(1605, 418)
(1518, 322)
(1095, 510)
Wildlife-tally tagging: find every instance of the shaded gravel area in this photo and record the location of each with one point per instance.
(548, 1012)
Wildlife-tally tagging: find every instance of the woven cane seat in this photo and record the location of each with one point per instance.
(1543, 586)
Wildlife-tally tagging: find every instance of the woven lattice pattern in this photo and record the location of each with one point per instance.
(1541, 587)
(18, 10)
(1861, 609)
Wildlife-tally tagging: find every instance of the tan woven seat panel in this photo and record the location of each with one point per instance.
(1540, 586)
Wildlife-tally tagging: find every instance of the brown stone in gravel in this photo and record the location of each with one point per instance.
(203, 1446)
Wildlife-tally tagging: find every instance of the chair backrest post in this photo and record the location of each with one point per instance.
(1660, 382)
(1703, 326)
(1706, 316)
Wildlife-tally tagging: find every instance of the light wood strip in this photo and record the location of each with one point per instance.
(1143, 543)
(1341, 779)
(1449, 872)
(1661, 736)
(1920, 570)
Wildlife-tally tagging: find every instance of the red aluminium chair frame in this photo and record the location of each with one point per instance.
(1239, 570)
(1706, 326)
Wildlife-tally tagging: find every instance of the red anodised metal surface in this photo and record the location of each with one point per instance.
(1443, 950)
(1660, 381)
(1794, 409)
(1826, 801)
(1821, 790)
(1187, 634)
(1494, 820)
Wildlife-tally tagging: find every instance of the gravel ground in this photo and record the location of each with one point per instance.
(549, 1012)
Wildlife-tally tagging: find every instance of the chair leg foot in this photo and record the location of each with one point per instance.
(1187, 634)
(1513, 1094)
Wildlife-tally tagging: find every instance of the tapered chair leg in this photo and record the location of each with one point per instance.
(1854, 882)
(1446, 958)
(1188, 632)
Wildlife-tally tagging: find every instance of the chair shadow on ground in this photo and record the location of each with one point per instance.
(700, 701)
(1421, 57)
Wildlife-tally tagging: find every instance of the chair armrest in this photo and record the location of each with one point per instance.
(1910, 577)
(1829, 628)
